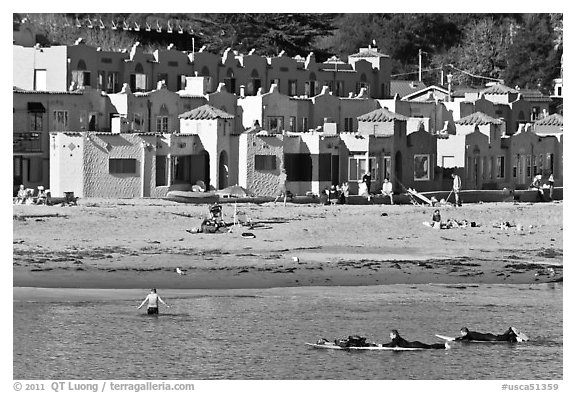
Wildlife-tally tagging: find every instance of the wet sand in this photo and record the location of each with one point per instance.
(140, 243)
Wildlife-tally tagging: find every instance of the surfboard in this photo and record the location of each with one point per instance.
(520, 337)
(337, 347)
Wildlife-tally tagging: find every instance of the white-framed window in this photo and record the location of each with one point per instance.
(421, 167)
(500, 169)
(161, 123)
(60, 121)
(292, 123)
(348, 124)
(358, 165)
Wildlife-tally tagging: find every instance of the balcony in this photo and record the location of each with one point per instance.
(27, 142)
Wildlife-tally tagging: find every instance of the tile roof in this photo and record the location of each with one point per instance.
(404, 88)
(478, 118)
(205, 112)
(380, 115)
(552, 120)
(22, 91)
(499, 89)
(365, 52)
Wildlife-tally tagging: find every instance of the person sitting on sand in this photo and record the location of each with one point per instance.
(436, 220)
(398, 341)
(42, 196)
(467, 335)
(152, 300)
(333, 195)
(22, 195)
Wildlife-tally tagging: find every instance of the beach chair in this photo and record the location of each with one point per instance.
(415, 196)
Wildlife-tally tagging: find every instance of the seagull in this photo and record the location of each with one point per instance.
(180, 271)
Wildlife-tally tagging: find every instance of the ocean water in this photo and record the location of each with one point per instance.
(260, 334)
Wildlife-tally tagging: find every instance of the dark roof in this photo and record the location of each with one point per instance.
(205, 112)
(381, 115)
(404, 88)
(460, 91)
(552, 120)
(478, 118)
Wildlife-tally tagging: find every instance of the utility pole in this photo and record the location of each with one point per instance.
(420, 65)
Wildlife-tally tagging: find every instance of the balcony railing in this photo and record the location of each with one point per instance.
(27, 142)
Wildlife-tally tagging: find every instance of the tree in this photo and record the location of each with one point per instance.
(483, 52)
(534, 57)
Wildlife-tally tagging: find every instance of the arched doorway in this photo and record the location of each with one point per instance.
(398, 171)
(206, 169)
(223, 170)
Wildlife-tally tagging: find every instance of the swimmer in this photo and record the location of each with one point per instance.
(398, 341)
(152, 300)
(467, 335)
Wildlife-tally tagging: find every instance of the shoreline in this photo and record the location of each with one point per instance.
(119, 244)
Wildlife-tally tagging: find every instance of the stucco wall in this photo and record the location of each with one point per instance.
(259, 181)
(67, 170)
(53, 60)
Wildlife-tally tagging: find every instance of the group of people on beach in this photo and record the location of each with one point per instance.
(539, 185)
(25, 196)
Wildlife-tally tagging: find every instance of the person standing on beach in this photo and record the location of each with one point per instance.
(367, 179)
(152, 300)
(456, 186)
(551, 184)
(282, 186)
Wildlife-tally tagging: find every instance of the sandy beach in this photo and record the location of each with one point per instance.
(139, 244)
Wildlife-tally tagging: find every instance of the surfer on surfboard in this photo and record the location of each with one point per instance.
(467, 335)
(152, 300)
(398, 341)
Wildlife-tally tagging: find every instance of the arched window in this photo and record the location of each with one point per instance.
(205, 72)
(254, 83)
(138, 79)
(311, 86)
(80, 77)
(230, 81)
(362, 83)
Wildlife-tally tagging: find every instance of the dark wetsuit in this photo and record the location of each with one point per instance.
(402, 343)
(509, 336)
